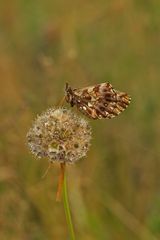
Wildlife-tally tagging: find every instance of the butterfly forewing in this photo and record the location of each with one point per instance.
(99, 101)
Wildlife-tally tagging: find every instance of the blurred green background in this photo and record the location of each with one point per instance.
(115, 192)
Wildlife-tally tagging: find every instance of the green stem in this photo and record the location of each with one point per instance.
(67, 210)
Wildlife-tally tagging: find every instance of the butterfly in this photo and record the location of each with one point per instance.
(98, 101)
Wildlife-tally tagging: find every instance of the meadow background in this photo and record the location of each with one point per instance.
(115, 192)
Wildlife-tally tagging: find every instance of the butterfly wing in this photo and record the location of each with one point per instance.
(101, 101)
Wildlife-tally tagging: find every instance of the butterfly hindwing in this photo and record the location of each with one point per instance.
(99, 101)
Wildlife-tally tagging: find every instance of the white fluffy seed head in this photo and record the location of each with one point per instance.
(59, 135)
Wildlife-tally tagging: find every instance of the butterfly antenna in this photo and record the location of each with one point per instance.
(47, 170)
(67, 85)
(60, 182)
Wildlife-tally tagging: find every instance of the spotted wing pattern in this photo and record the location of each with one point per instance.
(100, 101)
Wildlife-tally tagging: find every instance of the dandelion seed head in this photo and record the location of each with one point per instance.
(59, 135)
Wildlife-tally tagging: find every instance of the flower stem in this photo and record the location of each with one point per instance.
(60, 182)
(67, 210)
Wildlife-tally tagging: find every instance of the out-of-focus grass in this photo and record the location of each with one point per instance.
(114, 193)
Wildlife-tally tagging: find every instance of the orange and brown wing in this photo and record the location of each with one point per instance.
(101, 101)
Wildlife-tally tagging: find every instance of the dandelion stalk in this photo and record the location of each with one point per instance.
(63, 137)
(60, 182)
(67, 210)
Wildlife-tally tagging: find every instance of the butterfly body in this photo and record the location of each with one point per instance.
(98, 101)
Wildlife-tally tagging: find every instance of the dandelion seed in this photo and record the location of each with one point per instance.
(59, 135)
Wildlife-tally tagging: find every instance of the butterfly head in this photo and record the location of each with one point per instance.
(69, 95)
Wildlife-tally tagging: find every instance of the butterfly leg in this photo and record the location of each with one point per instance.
(61, 102)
